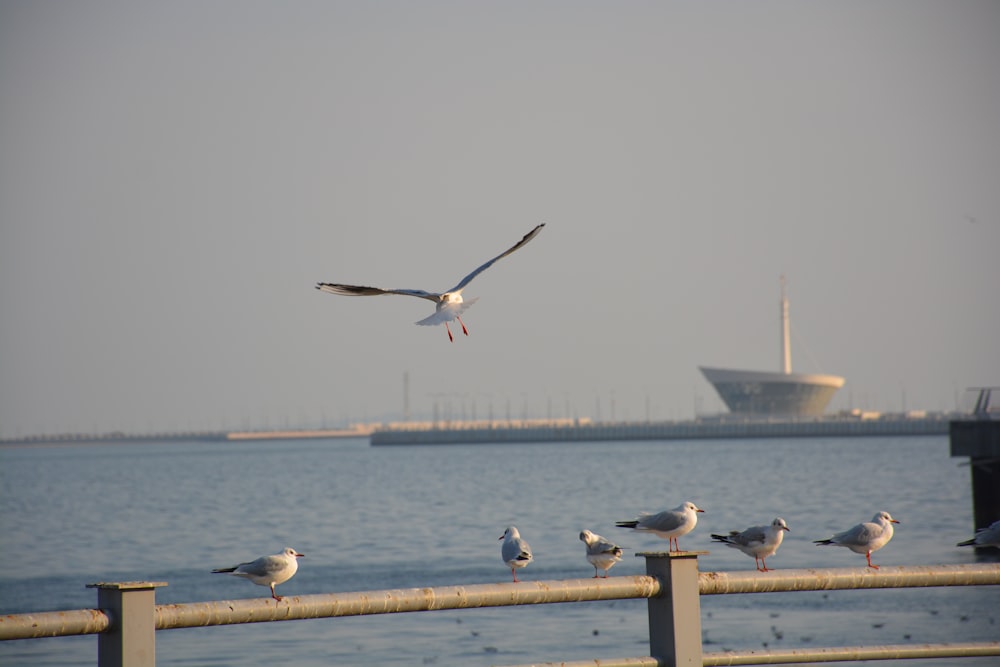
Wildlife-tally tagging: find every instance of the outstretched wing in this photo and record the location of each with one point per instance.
(361, 290)
(468, 279)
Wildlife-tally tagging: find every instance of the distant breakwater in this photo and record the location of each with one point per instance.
(494, 433)
(541, 430)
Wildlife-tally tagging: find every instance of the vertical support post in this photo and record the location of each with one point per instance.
(675, 615)
(131, 639)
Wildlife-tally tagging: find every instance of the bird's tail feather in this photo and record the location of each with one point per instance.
(447, 313)
(224, 570)
(627, 524)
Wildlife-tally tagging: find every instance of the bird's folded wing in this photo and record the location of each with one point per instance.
(755, 535)
(663, 521)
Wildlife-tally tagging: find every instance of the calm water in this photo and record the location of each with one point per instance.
(372, 518)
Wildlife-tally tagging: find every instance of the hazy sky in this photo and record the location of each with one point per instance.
(175, 177)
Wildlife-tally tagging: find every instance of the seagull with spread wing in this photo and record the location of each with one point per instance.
(448, 305)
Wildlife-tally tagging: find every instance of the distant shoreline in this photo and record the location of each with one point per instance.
(545, 430)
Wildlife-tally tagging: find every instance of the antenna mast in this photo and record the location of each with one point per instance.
(786, 343)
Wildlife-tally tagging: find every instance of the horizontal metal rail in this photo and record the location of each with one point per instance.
(852, 653)
(909, 576)
(54, 624)
(257, 610)
(838, 654)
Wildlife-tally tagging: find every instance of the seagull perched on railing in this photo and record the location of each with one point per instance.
(449, 305)
(757, 541)
(601, 553)
(669, 524)
(866, 537)
(985, 537)
(514, 551)
(267, 570)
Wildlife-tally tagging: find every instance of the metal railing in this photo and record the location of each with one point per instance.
(127, 617)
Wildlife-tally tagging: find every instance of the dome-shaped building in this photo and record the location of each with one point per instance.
(764, 393)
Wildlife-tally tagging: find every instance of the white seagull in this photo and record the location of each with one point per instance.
(267, 570)
(757, 541)
(601, 553)
(866, 537)
(449, 305)
(669, 524)
(514, 551)
(985, 537)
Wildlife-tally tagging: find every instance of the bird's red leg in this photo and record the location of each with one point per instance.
(464, 330)
(764, 565)
(450, 337)
(869, 557)
(514, 572)
(275, 595)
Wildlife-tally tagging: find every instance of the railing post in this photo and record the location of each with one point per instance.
(675, 615)
(131, 639)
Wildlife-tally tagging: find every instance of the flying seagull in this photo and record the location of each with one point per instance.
(866, 537)
(267, 570)
(757, 541)
(668, 524)
(448, 305)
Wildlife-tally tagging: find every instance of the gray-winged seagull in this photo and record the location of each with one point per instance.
(514, 551)
(866, 537)
(448, 305)
(757, 541)
(669, 524)
(267, 570)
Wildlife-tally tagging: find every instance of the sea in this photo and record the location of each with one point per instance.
(372, 518)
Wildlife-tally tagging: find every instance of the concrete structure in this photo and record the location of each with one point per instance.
(763, 393)
(979, 439)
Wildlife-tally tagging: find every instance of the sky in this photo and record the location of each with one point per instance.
(176, 177)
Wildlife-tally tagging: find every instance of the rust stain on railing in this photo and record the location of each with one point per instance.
(53, 624)
(980, 574)
(258, 610)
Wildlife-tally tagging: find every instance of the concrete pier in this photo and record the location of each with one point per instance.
(980, 441)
